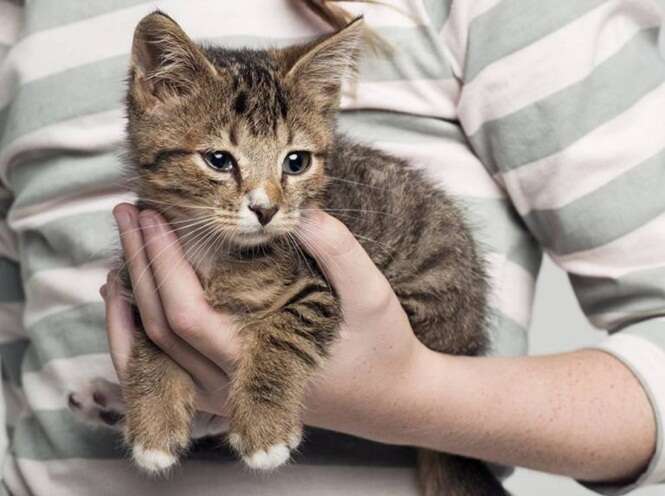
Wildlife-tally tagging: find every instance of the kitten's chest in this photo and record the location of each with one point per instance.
(247, 287)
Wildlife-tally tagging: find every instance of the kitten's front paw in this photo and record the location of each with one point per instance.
(153, 461)
(98, 403)
(265, 454)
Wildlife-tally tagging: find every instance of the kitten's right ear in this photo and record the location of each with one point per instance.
(165, 62)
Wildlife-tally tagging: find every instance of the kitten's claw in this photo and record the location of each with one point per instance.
(153, 461)
(269, 459)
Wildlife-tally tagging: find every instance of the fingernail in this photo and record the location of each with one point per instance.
(102, 291)
(121, 217)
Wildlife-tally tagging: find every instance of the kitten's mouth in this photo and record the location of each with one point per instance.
(258, 236)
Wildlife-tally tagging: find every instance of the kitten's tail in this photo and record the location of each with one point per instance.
(441, 474)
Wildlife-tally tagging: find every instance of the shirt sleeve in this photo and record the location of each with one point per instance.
(12, 337)
(564, 104)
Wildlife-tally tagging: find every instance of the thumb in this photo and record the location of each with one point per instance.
(346, 264)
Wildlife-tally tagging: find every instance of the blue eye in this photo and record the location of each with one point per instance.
(220, 160)
(296, 162)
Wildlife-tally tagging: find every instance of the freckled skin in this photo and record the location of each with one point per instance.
(185, 101)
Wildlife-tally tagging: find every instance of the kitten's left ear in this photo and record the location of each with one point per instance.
(165, 62)
(325, 64)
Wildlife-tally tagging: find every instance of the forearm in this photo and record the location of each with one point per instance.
(580, 414)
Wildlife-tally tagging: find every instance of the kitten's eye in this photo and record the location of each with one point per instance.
(296, 162)
(220, 160)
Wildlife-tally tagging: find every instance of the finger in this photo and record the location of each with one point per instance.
(187, 311)
(346, 264)
(143, 287)
(119, 325)
(148, 302)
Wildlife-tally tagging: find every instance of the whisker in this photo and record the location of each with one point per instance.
(356, 183)
(361, 210)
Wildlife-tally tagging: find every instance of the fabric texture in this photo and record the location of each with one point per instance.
(544, 119)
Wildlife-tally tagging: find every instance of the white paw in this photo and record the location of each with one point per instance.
(295, 440)
(269, 459)
(153, 461)
(235, 441)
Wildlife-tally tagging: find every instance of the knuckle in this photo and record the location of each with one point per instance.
(380, 296)
(183, 323)
(156, 332)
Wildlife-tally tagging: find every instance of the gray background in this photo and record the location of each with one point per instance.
(558, 325)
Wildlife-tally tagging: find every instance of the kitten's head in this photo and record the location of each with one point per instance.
(235, 140)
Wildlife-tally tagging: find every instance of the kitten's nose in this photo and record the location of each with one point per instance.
(264, 214)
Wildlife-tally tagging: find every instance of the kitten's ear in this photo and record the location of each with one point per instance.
(324, 65)
(165, 62)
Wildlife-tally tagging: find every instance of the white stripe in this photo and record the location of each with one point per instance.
(602, 155)
(35, 54)
(512, 289)
(450, 165)
(10, 22)
(56, 290)
(455, 32)
(103, 131)
(11, 322)
(82, 477)
(429, 97)
(648, 360)
(554, 62)
(42, 213)
(48, 388)
(642, 249)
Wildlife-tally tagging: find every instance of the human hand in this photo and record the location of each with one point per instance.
(371, 361)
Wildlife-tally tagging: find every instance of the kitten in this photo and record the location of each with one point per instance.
(252, 135)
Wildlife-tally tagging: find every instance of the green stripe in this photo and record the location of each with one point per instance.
(617, 208)
(370, 126)
(515, 24)
(438, 12)
(74, 332)
(498, 229)
(69, 242)
(11, 289)
(11, 357)
(47, 14)
(38, 181)
(57, 434)
(99, 86)
(550, 125)
(87, 89)
(637, 295)
(507, 337)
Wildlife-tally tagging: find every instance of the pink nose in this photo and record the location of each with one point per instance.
(264, 214)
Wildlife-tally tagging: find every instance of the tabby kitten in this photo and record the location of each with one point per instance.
(251, 134)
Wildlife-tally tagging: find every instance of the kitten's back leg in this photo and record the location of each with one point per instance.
(160, 399)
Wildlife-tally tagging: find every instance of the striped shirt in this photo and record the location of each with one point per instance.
(545, 119)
